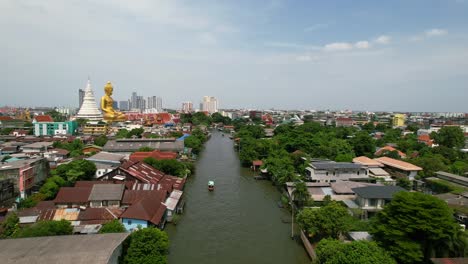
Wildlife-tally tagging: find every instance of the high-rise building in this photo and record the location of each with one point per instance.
(187, 107)
(209, 104)
(123, 105)
(81, 94)
(88, 109)
(133, 101)
(154, 102)
(140, 103)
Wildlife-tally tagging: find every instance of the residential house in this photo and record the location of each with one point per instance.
(106, 162)
(172, 204)
(344, 122)
(141, 172)
(26, 174)
(383, 150)
(338, 191)
(426, 139)
(72, 197)
(91, 149)
(375, 169)
(330, 171)
(19, 133)
(457, 179)
(106, 195)
(55, 128)
(398, 168)
(372, 199)
(145, 208)
(37, 147)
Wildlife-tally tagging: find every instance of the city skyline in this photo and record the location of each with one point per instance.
(399, 56)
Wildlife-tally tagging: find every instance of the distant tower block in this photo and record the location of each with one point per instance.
(88, 109)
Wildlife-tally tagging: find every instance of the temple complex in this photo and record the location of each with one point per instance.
(88, 109)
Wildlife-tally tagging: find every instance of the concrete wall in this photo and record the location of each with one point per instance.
(131, 224)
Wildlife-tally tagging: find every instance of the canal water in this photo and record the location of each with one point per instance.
(239, 222)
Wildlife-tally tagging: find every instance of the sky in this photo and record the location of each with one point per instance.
(408, 55)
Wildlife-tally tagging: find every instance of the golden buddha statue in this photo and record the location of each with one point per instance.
(107, 106)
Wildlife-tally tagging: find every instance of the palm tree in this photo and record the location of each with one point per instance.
(300, 193)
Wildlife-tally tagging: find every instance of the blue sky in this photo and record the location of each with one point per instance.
(362, 55)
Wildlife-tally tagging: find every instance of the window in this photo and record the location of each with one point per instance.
(373, 202)
(129, 222)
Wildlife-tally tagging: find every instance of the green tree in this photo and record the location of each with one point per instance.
(114, 226)
(363, 144)
(101, 140)
(329, 221)
(147, 246)
(135, 132)
(77, 170)
(122, 133)
(450, 136)
(47, 228)
(194, 143)
(171, 166)
(331, 251)
(300, 193)
(31, 200)
(280, 166)
(404, 183)
(10, 226)
(430, 164)
(415, 227)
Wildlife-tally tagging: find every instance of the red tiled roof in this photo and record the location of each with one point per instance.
(158, 155)
(44, 118)
(382, 150)
(367, 161)
(60, 151)
(5, 118)
(73, 195)
(105, 214)
(150, 207)
(398, 164)
(257, 163)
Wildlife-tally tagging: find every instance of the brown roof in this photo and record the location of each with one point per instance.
(89, 184)
(149, 208)
(5, 118)
(367, 161)
(398, 164)
(158, 155)
(99, 214)
(73, 195)
(106, 192)
(449, 260)
(142, 172)
(60, 151)
(44, 118)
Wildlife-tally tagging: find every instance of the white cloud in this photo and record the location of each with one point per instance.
(383, 39)
(436, 32)
(338, 46)
(362, 44)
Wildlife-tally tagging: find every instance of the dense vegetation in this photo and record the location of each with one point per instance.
(114, 226)
(195, 141)
(10, 228)
(171, 166)
(331, 251)
(415, 227)
(146, 246)
(64, 175)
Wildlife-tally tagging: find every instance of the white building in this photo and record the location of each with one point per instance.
(209, 104)
(154, 102)
(89, 109)
(187, 107)
(330, 171)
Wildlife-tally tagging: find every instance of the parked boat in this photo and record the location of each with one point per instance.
(210, 186)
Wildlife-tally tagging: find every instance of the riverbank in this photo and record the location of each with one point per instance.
(239, 222)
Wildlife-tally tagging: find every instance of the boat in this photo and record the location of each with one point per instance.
(210, 186)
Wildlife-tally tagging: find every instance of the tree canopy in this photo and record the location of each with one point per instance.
(329, 221)
(114, 226)
(171, 166)
(415, 227)
(77, 170)
(147, 246)
(46, 228)
(331, 251)
(450, 136)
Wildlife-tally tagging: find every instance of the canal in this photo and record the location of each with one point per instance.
(239, 222)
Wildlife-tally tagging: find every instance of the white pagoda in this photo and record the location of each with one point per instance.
(88, 109)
